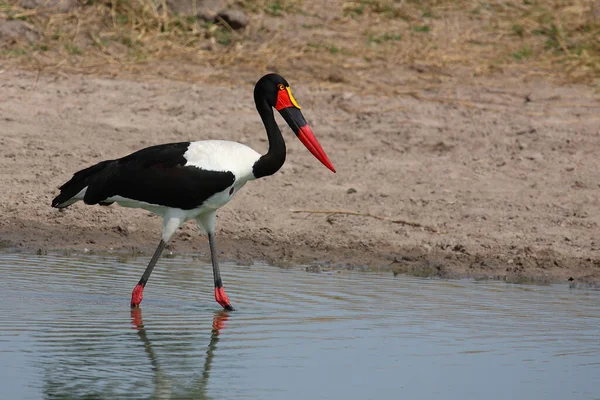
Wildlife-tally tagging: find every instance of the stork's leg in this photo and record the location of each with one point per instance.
(170, 225)
(138, 290)
(206, 223)
(220, 295)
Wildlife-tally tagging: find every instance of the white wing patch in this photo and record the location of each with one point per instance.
(222, 155)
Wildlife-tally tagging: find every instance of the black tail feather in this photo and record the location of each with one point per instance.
(77, 183)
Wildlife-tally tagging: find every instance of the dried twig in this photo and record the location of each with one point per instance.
(394, 221)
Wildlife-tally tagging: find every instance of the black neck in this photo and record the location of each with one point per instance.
(269, 163)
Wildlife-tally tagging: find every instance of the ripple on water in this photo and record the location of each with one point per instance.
(66, 332)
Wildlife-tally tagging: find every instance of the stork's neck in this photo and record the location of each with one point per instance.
(269, 163)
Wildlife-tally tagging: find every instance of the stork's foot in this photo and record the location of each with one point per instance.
(136, 295)
(222, 299)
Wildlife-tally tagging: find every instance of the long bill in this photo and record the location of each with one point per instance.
(296, 121)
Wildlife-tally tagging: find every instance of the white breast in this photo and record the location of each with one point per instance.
(223, 155)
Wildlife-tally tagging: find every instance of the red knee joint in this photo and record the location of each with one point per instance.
(136, 295)
(222, 298)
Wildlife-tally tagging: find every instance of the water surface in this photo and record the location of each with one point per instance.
(66, 332)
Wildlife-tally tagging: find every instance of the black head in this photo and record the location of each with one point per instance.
(268, 87)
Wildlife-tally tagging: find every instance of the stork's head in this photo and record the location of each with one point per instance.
(275, 90)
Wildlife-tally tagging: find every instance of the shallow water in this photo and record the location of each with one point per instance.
(66, 331)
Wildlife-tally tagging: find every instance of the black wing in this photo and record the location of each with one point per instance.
(156, 175)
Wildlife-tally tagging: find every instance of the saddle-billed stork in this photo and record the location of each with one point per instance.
(191, 180)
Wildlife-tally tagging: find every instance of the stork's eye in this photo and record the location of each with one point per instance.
(281, 87)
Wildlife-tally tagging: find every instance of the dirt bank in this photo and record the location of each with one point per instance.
(502, 176)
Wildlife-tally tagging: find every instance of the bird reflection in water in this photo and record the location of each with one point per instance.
(162, 386)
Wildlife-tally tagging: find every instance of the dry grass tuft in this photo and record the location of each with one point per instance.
(342, 42)
(114, 32)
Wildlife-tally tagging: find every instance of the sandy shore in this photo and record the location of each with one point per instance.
(502, 178)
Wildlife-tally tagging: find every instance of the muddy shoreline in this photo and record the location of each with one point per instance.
(453, 263)
(504, 174)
